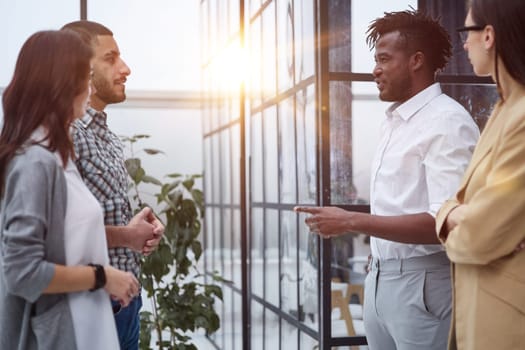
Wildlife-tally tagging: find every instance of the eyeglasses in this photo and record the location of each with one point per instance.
(463, 32)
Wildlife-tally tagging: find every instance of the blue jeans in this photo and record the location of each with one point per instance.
(127, 320)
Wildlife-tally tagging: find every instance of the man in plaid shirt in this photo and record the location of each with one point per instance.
(100, 160)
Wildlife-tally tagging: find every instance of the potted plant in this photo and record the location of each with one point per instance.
(182, 298)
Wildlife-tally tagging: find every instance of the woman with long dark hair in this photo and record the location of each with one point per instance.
(55, 275)
(483, 227)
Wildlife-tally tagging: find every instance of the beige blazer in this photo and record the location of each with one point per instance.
(488, 278)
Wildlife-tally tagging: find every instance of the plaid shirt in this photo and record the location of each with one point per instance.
(100, 161)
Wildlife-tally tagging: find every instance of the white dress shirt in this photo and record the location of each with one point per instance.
(425, 146)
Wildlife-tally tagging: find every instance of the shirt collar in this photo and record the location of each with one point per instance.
(94, 116)
(413, 105)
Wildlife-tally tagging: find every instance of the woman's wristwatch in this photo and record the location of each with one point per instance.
(100, 276)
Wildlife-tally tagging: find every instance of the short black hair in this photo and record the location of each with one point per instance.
(88, 30)
(420, 33)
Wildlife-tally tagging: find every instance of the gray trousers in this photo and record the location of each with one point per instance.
(408, 303)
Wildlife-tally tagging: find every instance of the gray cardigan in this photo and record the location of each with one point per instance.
(32, 213)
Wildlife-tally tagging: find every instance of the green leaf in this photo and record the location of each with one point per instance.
(196, 247)
(141, 136)
(174, 175)
(132, 166)
(188, 184)
(152, 151)
(151, 180)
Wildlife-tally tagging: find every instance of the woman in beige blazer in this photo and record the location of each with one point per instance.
(483, 227)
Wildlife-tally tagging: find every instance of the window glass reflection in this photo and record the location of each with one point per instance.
(342, 186)
(256, 179)
(236, 248)
(254, 64)
(236, 163)
(304, 39)
(287, 162)
(270, 155)
(306, 145)
(478, 100)
(289, 279)
(268, 52)
(225, 167)
(257, 251)
(363, 12)
(285, 45)
(271, 253)
(367, 114)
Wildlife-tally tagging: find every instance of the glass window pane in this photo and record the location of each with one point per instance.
(285, 46)
(257, 251)
(255, 6)
(304, 30)
(272, 257)
(307, 342)
(268, 52)
(208, 244)
(289, 263)
(256, 143)
(234, 16)
(236, 164)
(217, 246)
(226, 241)
(257, 325)
(254, 64)
(339, 41)
(368, 112)
(206, 103)
(289, 336)
(271, 329)
(478, 100)
(216, 168)
(207, 170)
(306, 145)
(342, 187)
(287, 161)
(270, 155)
(227, 319)
(225, 175)
(363, 12)
(308, 287)
(236, 249)
(237, 322)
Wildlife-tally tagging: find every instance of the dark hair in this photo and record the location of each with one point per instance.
(420, 32)
(88, 30)
(508, 20)
(51, 70)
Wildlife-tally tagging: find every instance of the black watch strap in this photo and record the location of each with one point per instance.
(100, 277)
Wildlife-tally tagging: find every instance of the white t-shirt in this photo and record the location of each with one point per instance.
(425, 146)
(85, 242)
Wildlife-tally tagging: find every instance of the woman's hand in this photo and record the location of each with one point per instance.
(455, 216)
(121, 285)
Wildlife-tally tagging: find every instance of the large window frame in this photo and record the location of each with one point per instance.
(249, 127)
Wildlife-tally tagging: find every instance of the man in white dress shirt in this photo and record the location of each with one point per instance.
(426, 143)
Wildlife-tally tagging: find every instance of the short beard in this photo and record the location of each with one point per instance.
(106, 94)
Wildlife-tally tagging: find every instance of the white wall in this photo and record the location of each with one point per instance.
(159, 40)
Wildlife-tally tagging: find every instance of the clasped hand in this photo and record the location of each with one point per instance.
(146, 231)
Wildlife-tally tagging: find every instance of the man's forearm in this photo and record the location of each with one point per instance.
(413, 228)
(117, 236)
